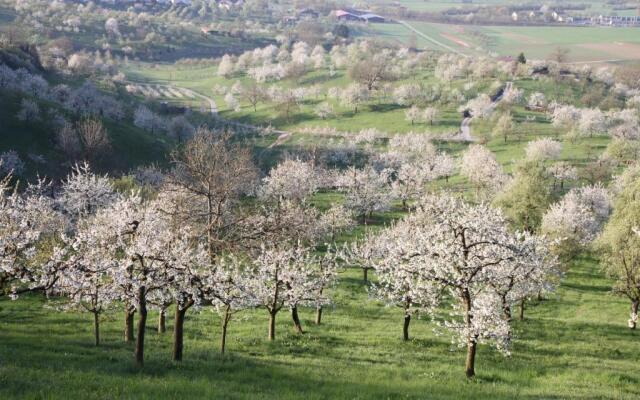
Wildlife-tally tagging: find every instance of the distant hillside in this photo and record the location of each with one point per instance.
(34, 139)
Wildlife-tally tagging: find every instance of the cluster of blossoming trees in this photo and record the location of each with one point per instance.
(187, 245)
(373, 70)
(212, 233)
(194, 242)
(450, 254)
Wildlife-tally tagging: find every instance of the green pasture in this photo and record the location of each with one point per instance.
(572, 345)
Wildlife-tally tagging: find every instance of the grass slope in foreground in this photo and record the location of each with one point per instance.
(572, 346)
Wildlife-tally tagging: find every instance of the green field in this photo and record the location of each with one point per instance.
(574, 345)
(585, 43)
(594, 6)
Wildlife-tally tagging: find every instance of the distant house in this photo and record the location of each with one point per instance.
(514, 16)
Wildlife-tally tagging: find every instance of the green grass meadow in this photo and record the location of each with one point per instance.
(573, 345)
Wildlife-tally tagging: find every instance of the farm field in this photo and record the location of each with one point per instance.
(594, 6)
(586, 44)
(570, 346)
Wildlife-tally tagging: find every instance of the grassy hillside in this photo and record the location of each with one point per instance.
(131, 146)
(572, 346)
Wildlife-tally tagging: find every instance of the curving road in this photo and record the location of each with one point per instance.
(465, 131)
(212, 104)
(465, 127)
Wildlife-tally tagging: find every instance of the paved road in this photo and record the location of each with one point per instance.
(465, 131)
(465, 126)
(212, 104)
(432, 40)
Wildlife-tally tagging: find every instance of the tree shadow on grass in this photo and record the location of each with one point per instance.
(382, 108)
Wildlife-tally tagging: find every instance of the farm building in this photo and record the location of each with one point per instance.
(356, 15)
(347, 16)
(372, 18)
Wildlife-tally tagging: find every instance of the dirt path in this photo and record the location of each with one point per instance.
(280, 140)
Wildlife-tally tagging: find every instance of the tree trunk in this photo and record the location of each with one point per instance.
(634, 312)
(405, 328)
(522, 309)
(162, 326)
(318, 315)
(178, 333)
(506, 309)
(225, 322)
(470, 363)
(507, 313)
(128, 325)
(365, 272)
(272, 325)
(142, 325)
(470, 370)
(296, 320)
(96, 327)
